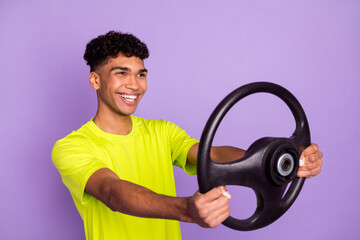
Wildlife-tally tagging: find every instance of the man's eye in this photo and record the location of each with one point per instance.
(141, 75)
(121, 73)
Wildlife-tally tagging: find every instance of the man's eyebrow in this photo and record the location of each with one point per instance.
(126, 69)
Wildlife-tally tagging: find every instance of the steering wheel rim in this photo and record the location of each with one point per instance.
(261, 156)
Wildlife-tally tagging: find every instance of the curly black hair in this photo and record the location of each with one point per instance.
(100, 49)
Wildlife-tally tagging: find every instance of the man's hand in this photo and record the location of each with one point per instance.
(310, 162)
(210, 209)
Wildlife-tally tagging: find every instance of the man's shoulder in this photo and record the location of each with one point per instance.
(79, 137)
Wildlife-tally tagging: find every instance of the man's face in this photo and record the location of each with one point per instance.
(122, 83)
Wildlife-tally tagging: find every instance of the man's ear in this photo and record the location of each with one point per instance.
(94, 80)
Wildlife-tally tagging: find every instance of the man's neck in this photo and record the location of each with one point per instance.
(113, 123)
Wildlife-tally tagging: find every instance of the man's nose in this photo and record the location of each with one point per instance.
(132, 83)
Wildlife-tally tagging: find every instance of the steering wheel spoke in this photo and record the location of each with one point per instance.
(234, 173)
(268, 209)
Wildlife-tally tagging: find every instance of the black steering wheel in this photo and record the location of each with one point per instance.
(267, 167)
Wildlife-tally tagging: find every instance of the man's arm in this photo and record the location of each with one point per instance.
(207, 210)
(217, 154)
(310, 159)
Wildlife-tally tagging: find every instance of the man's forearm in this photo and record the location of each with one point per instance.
(207, 210)
(226, 153)
(132, 199)
(217, 154)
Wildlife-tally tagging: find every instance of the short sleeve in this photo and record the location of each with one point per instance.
(73, 159)
(180, 143)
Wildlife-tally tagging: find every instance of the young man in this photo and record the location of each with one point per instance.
(118, 167)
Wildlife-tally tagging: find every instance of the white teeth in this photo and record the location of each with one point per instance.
(129, 97)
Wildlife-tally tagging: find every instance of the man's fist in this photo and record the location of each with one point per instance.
(310, 162)
(210, 209)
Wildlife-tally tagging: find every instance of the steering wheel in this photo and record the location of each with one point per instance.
(267, 167)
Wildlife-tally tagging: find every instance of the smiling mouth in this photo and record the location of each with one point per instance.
(130, 98)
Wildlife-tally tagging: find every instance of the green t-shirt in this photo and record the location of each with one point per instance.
(145, 157)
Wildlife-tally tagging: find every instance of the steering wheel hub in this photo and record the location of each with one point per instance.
(285, 164)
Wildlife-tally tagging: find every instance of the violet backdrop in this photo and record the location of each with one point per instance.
(200, 51)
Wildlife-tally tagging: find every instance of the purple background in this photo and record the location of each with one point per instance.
(200, 51)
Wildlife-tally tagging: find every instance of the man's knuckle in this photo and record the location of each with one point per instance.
(315, 147)
(203, 214)
(228, 209)
(223, 201)
(198, 203)
(314, 171)
(213, 223)
(311, 166)
(301, 174)
(311, 158)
